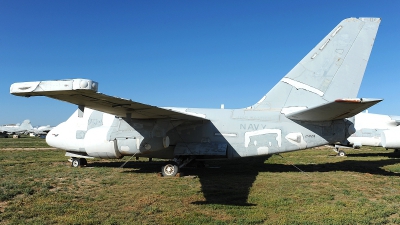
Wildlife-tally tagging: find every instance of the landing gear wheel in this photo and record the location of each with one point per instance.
(341, 153)
(169, 170)
(76, 162)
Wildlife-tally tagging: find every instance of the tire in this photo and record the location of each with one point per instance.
(169, 170)
(341, 153)
(76, 162)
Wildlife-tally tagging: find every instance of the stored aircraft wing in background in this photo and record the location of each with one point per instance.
(306, 108)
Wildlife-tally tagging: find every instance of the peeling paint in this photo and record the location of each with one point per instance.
(349, 100)
(247, 135)
(315, 55)
(262, 150)
(184, 110)
(324, 45)
(288, 110)
(226, 134)
(299, 85)
(296, 139)
(336, 31)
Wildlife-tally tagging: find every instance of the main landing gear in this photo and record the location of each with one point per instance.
(169, 170)
(172, 169)
(340, 153)
(78, 162)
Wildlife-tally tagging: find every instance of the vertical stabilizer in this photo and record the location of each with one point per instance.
(26, 124)
(332, 70)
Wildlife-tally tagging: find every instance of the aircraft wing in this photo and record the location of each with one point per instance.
(339, 109)
(83, 92)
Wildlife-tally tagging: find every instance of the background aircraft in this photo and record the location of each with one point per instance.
(41, 131)
(17, 129)
(307, 108)
(373, 130)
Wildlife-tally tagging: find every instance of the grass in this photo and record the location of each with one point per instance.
(23, 142)
(39, 187)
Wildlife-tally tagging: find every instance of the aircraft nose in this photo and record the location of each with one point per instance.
(63, 137)
(51, 137)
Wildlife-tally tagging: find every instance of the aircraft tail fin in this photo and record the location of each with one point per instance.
(331, 70)
(26, 124)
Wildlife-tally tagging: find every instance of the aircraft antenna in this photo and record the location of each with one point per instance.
(122, 166)
(294, 165)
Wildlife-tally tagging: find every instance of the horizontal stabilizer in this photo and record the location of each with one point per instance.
(339, 109)
(83, 92)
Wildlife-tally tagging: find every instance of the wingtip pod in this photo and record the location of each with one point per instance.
(35, 88)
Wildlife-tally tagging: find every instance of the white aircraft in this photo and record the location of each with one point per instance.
(41, 131)
(307, 108)
(15, 129)
(374, 130)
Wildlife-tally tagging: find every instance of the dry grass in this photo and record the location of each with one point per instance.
(40, 187)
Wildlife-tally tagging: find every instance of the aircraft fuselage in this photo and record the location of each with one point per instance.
(226, 134)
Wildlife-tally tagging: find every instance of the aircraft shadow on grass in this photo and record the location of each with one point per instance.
(389, 154)
(229, 182)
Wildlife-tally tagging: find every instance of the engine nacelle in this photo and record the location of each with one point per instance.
(391, 138)
(132, 146)
(97, 144)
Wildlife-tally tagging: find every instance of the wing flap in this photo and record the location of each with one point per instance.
(339, 109)
(83, 92)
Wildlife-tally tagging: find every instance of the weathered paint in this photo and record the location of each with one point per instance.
(113, 127)
(299, 85)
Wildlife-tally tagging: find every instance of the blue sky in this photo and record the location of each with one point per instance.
(179, 53)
